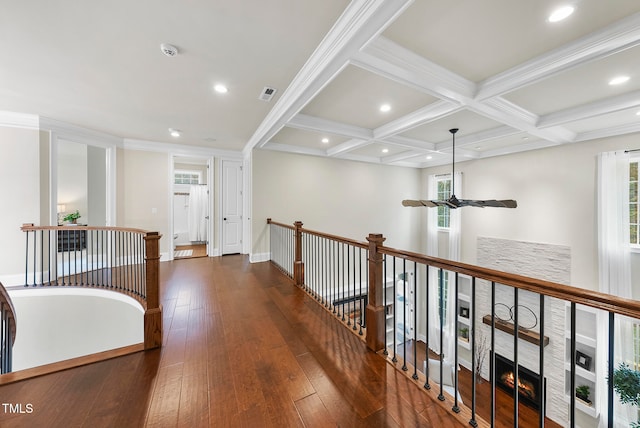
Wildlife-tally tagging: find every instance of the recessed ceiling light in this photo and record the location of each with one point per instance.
(561, 13)
(325, 140)
(429, 157)
(385, 150)
(174, 132)
(220, 88)
(385, 108)
(638, 113)
(618, 80)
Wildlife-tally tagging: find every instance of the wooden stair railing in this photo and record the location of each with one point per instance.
(382, 262)
(124, 260)
(7, 330)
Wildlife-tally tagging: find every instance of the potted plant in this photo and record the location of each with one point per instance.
(464, 334)
(72, 217)
(582, 392)
(626, 383)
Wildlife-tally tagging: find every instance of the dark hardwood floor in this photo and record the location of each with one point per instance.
(242, 347)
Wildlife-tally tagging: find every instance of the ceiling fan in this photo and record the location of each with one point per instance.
(454, 202)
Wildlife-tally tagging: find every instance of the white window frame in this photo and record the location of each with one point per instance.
(192, 173)
(635, 247)
(443, 211)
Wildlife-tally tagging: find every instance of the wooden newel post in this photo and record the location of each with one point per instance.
(153, 314)
(298, 265)
(375, 311)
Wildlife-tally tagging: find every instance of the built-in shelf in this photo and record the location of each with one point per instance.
(523, 333)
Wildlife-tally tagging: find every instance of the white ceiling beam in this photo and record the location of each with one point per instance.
(390, 60)
(616, 37)
(411, 143)
(312, 123)
(426, 114)
(361, 21)
(596, 108)
(347, 146)
(271, 145)
(609, 132)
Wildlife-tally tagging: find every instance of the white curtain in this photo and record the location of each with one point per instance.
(454, 254)
(614, 269)
(197, 213)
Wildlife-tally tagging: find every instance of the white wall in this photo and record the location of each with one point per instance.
(143, 192)
(556, 193)
(63, 323)
(346, 198)
(20, 194)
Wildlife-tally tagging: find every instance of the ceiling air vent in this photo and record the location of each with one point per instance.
(267, 93)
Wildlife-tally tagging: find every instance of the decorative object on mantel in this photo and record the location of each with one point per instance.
(454, 202)
(72, 217)
(523, 333)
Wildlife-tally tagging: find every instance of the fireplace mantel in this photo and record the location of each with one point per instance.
(523, 333)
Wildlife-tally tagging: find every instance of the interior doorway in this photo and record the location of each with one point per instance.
(191, 204)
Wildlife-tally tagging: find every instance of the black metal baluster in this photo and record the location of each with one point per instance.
(454, 316)
(492, 361)
(516, 369)
(542, 397)
(395, 312)
(415, 322)
(386, 306)
(441, 310)
(474, 369)
(26, 261)
(345, 278)
(426, 327)
(361, 295)
(572, 388)
(404, 315)
(35, 252)
(75, 257)
(41, 257)
(610, 370)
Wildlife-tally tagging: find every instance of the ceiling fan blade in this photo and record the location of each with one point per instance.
(504, 203)
(420, 203)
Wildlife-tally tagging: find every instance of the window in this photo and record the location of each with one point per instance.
(186, 177)
(445, 292)
(633, 203)
(443, 192)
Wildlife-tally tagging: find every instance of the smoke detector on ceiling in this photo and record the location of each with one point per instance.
(169, 50)
(267, 93)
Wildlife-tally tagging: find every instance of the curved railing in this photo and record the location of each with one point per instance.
(405, 294)
(125, 260)
(7, 330)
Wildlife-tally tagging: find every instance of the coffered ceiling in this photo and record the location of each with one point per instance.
(497, 69)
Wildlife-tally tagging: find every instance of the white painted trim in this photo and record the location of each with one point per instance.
(19, 120)
(179, 149)
(361, 21)
(259, 257)
(78, 134)
(618, 36)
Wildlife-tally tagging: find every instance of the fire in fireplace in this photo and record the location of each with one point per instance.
(528, 381)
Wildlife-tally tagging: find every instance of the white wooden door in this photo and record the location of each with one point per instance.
(231, 207)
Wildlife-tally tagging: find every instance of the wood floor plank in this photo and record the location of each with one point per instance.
(243, 347)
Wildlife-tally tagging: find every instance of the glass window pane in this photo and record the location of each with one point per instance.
(633, 236)
(633, 192)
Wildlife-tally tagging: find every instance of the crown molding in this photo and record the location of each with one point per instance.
(430, 113)
(19, 120)
(79, 134)
(179, 149)
(361, 21)
(287, 148)
(347, 146)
